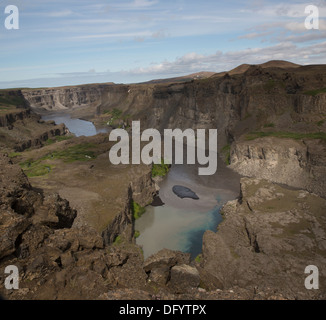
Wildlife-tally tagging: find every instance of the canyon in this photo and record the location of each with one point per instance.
(271, 126)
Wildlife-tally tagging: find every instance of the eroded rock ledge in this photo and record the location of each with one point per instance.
(268, 237)
(297, 163)
(58, 261)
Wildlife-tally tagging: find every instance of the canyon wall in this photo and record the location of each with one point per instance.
(141, 190)
(233, 105)
(300, 164)
(64, 98)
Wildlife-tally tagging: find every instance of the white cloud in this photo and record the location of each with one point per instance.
(60, 14)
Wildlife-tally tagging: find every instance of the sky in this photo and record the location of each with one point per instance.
(71, 42)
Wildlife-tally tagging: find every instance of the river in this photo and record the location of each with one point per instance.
(180, 223)
(77, 126)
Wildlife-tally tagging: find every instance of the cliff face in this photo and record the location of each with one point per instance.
(58, 261)
(23, 129)
(64, 98)
(267, 239)
(141, 190)
(231, 104)
(300, 164)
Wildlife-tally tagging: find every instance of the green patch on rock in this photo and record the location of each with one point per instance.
(315, 92)
(57, 139)
(160, 170)
(137, 234)
(137, 210)
(80, 152)
(36, 168)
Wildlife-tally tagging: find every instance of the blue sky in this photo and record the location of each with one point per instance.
(68, 42)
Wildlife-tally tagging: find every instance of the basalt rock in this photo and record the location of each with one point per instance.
(183, 192)
(267, 239)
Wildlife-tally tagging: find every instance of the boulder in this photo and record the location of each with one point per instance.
(183, 192)
(184, 278)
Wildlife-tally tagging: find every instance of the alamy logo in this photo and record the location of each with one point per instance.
(312, 21)
(12, 281)
(312, 281)
(12, 17)
(152, 152)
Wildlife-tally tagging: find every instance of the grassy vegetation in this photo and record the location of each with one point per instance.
(80, 152)
(40, 167)
(137, 210)
(315, 92)
(117, 240)
(136, 234)
(9, 100)
(13, 155)
(36, 168)
(291, 135)
(57, 139)
(226, 152)
(320, 123)
(160, 170)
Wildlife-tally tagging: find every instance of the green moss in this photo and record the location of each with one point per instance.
(137, 210)
(14, 155)
(198, 258)
(136, 234)
(80, 152)
(315, 92)
(117, 240)
(290, 135)
(57, 139)
(35, 168)
(320, 123)
(160, 170)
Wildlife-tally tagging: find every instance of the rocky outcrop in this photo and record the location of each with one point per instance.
(300, 164)
(64, 98)
(21, 129)
(172, 269)
(141, 190)
(9, 118)
(183, 192)
(21, 207)
(56, 261)
(267, 239)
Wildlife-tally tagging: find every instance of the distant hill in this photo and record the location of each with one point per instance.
(238, 70)
(270, 64)
(193, 76)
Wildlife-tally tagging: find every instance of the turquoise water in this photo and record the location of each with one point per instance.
(175, 229)
(181, 223)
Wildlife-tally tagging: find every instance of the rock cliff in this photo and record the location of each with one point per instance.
(233, 104)
(267, 239)
(64, 98)
(300, 164)
(58, 261)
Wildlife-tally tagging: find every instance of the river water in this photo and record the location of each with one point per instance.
(77, 126)
(180, 223)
